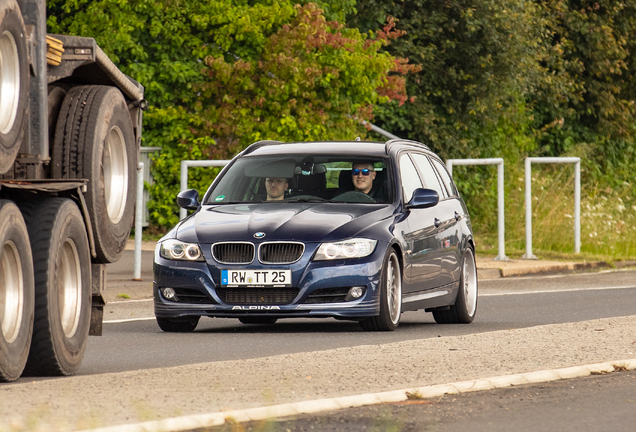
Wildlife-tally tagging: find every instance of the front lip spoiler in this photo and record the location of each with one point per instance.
(353, 310)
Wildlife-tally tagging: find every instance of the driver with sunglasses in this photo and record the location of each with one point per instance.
(363, 175)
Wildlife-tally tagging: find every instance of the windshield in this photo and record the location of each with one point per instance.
(304, 178)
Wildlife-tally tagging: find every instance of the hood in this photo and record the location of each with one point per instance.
(306, 222)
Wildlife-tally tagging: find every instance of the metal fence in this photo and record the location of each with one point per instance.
(501, 255)
(577, 199)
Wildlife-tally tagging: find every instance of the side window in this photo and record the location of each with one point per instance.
(443, 173)
(409, 177)
(428, 174)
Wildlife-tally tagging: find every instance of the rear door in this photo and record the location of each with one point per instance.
(449, 212)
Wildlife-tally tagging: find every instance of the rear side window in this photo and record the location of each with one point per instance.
(443, 173)
(428, 174)
(409, 177)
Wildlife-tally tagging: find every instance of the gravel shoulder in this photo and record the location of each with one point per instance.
(84, 402)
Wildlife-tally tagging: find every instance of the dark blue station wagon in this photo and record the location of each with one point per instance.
(356, 230)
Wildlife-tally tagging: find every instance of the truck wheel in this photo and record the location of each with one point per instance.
(62, 264)
(14, 82)
(94, 139)
(183, 325)
(16, 292)
(463, 311)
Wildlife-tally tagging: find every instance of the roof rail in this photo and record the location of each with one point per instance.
(391, 142)
(259, 144)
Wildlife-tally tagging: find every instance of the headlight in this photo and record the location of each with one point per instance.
(354, 248)
(176, 250)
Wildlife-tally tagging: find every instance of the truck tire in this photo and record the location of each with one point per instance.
(94, 140)
(14, 82)
(16, 292)
(62, 265)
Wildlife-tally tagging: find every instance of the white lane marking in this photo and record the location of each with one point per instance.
(128, 301)
(480, 295)
(555, 291)
(128, 320)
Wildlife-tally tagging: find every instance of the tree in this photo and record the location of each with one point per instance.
(221, 74)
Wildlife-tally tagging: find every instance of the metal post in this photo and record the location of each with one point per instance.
(577, 200)
(184, 174)
(501, 225)
(528, 178)
(500, 196)
(577, 207)
(138, 222)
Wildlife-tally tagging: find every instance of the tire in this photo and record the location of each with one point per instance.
(185, 325)
(55, 98)
(94, 140)
(16, 292)
(390, 297)
(14, 82)
(62, 265)
(257, 320)
(465, 307)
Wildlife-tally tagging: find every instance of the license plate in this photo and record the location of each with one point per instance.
(273, 278)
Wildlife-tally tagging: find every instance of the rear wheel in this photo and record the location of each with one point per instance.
(390, 297)
(94, 139)
(14, 82)
(16, 292)
(62, 266)
(181, 325)
(257, 320)
(465, 307)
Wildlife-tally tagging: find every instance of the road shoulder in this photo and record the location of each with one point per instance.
(85, 402)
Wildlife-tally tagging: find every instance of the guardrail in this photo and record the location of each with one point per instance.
(501, 253)
(577, 200)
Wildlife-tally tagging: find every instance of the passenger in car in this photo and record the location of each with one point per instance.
(275, 187)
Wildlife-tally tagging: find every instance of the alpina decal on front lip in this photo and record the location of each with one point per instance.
(255, 308)
(259, 234)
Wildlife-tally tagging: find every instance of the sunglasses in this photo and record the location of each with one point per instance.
(364, 172)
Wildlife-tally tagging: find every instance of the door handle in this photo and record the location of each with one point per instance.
(458, 217)
(437, 223)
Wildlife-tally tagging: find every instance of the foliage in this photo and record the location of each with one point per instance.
(512, 78)
(477, 63)
(221, 74)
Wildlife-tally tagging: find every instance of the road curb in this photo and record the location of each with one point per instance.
(536, 270)
(197, 421)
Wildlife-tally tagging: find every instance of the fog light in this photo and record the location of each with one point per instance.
(169, 294)
(355, 293)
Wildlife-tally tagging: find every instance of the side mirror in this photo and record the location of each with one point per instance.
(423, 198)
(188, 199)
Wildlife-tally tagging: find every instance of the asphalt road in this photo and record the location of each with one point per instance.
(591, 404)
(503, 304)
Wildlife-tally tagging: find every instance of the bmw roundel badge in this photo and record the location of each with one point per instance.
(259, 235)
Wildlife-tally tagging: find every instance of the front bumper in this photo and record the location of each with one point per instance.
(309, 278)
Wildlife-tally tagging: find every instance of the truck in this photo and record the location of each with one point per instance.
(70, 134)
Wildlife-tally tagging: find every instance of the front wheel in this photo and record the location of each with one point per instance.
(465, 307)
(183, 325)
(390, 297)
